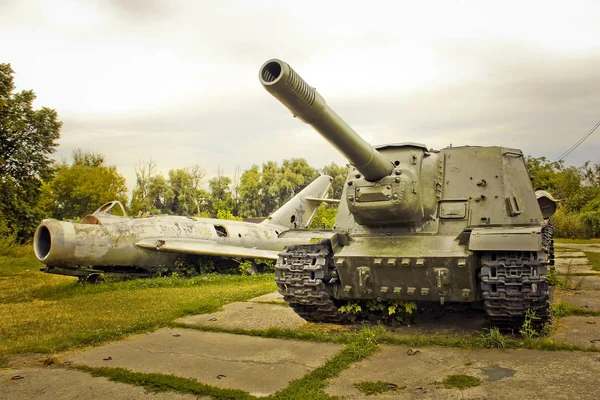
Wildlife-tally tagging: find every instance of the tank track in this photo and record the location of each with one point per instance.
(548, 243)
(513, 283)
(302, 276)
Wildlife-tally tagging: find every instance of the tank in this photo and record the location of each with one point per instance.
(460, 225)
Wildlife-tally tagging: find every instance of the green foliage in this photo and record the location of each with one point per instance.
(461, 382)
(27, 138)
(563, 309)
(338, 173)
(80, 188)
(226, 214)
(578, 193)
(324, 217)
(528, 330)
(594, 260)
(494, 339)
(391, 312)
(377, 387)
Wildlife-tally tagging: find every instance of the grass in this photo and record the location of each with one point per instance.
(376, 387)
(594, 259)
(577, 241)
(44, 313)
(461, 382)
(563, 309)
(488, 339)
(310, 386)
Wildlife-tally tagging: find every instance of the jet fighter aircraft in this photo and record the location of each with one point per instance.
(106, 243)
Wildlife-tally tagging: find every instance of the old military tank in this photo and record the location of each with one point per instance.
(457, 225)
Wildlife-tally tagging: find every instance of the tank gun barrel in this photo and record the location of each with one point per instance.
(279, 79)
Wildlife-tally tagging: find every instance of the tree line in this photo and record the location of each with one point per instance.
(33, 186)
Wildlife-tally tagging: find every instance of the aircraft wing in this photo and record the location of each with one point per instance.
(205, 248)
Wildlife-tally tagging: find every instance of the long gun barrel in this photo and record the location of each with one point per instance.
(279, 79)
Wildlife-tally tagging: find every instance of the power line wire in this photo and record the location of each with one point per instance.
(578, 143)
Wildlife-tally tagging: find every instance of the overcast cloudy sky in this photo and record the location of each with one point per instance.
(177, 81)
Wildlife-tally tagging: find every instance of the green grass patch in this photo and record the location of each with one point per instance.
(3, 362)
(311, 386)
(156, 383)
(563, 309)
(377, 387)
(594, 259)
(461, 382)
(44, 313)
(577, 241)
(488, 339)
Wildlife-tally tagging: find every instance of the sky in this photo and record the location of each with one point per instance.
(177, 81)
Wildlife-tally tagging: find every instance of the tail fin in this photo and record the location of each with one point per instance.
(298, 212)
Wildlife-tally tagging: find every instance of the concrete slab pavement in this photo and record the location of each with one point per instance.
(247, 316)
(584, 299)
(579, 331)
(505, 374)
(569, 254)
(257, 365)
(58, 383)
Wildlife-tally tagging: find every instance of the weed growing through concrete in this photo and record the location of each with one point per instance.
(594, 259)
(377, 387)
(461, 382)
(156, 383)
(494, 339)
(563, 309)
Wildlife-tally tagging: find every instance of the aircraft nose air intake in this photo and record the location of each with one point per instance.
(42, 242)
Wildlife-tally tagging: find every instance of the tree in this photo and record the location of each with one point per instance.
(221, 199)
(140, 200)
(338, 173)
(250, 204)
(80, 188)
(27, 138)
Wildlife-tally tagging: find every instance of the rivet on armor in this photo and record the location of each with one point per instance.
(383, 290)
(347, 289)
(391, 261)
(377, 261)
(466, 293)
(405, 261)
(462, 262)
(411, 291)
(424, 291)
(397, 290)
(420, 262)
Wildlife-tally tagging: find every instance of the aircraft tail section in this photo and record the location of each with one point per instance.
(298, 212)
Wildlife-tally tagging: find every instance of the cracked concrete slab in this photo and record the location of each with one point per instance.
(584, 299)
(579, 331)
(257, 365)
(569, 254)
(505, 374)
(576, 269)
(269, 298)
(572, 261)
(584, 283)
(248, 316)
(58, 383)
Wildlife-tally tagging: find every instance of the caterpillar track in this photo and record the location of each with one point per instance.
(514, 282)
(302, 276)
